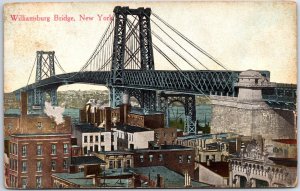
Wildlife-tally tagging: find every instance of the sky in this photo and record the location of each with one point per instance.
(241, 35)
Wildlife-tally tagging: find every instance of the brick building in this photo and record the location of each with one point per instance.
(165, 136)
(175, 157)
(38, 147)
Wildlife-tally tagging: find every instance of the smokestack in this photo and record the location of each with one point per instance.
(107, 118)
(23, 103)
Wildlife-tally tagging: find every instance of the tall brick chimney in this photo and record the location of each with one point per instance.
(23, 103)
(107, 119)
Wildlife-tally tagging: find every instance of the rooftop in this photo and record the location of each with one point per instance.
(87, 128)
(204, 136)
(171, 179)
(220, 168)
(86, 160)
(82, 181)
(115, 152)
(131, 129)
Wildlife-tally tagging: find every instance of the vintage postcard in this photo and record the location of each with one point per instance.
(150, 95)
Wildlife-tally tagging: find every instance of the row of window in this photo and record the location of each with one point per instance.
(39, 149)
(161, 158)
(118, 164)
(85, 139)
(157, 135)
(13, 164)
(95, 148)
(38, 181)
(39, 166)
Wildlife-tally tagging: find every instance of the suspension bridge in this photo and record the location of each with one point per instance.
(124, 62)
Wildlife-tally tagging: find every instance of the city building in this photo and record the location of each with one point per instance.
(166, 136)
(38, 147)
(94, 139)
(213, 173)
(175, 157)
(133, 137)
(267, 167)
(116, 159)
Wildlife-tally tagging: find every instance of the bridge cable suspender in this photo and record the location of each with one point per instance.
(177, 43)
(35, 60)
(189, 41)
(93, 54)
(159, 38)
(174, 65)
(58, 64)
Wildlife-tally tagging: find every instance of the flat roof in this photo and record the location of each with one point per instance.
(131, 129)
(87, 128)
(80, 160)
(171, 179)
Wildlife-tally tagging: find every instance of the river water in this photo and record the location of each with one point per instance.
(203, 113)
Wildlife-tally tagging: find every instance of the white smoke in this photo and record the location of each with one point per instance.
(55, 112)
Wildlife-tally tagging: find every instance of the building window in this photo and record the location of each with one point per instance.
(141, 158)
(96, 148)
(102, 138)
(97, 138)
(119, 164)
(91, 139)
(10, 126)
(53, 149)
(39, 166)
(24, 182)
(39, 151)
(160, 157)
(91, 149)
(85, 139)
(150, 158)
(53, 165)
(189, 158)
(111, 164)
(84, 150)
(24, 166)
(65, 164)
(38, 182)
(24, 150)
(15, 149)
(112, 148)
(66, 150)
(102, 148)
(39, 125)
(180, 159)
(52, 125)
(128, 163)
(213, 158)
(173, 134)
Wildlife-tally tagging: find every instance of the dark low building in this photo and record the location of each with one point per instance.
(178, 158)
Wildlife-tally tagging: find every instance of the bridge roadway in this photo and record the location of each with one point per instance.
(194, 82)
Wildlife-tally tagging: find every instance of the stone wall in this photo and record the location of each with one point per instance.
(252, 119)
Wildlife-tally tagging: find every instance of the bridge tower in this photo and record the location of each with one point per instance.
(148, 97)
(45, 68)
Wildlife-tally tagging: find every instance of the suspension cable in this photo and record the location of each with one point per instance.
(35, 60)
(189, 41)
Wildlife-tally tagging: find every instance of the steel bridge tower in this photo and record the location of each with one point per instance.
(45, 68)
(147, 98)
